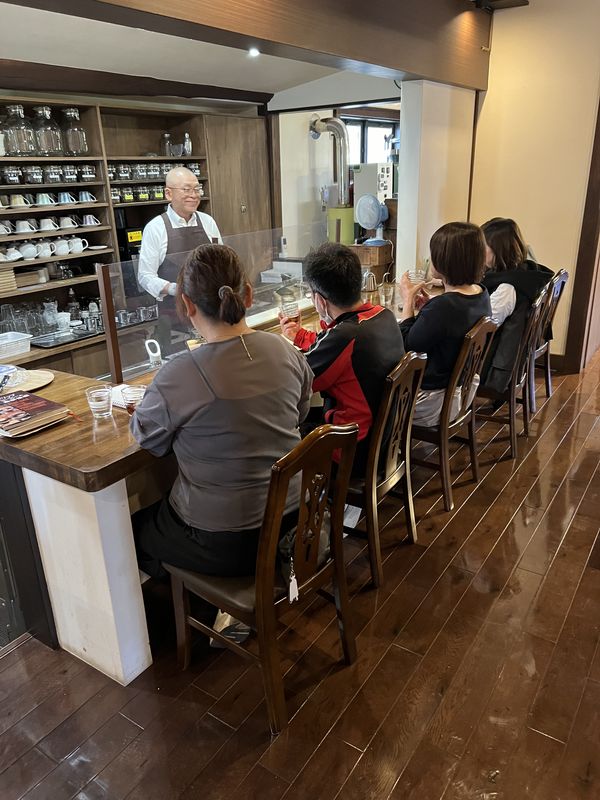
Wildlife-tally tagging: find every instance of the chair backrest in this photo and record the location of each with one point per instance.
(323, 483)
(555, 290)
(530, 337)
(390, 434)
(468, 364)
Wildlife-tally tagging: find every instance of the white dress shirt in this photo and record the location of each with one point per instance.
(154, 247)
(503, 301)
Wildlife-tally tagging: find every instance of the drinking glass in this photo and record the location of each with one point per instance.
(386, 292)
(100, 400)
(132, 396)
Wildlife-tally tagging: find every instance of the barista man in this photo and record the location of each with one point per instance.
(169, 237)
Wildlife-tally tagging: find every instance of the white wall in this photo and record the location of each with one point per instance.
(306, 166)
(536, 127)
(335, 90)
(436, 136)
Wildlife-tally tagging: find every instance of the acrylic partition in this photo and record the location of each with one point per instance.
(138, 325)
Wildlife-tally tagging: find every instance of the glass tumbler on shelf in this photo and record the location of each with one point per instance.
(19, 136)
(74, 134)
(48, 136)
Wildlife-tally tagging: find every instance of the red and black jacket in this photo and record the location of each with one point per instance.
(351, 358)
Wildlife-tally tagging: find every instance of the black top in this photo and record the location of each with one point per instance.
(439, 330)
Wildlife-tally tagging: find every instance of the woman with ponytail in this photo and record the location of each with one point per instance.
(228, 410)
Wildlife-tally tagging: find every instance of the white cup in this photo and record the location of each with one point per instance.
(48, 224)
(24, 226)
(45, 199)
(61, 247)
(86, 197)
(12, 254)
(6, 227)
(28, 250)
(66, 197)
(45, 249)
(68, 222)
(90, 219)
(77, 245)
(19, 200)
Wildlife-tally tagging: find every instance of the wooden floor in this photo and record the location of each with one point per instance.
(478, 673)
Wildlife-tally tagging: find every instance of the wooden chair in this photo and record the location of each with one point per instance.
(519, 380)
(388, 460)
(542, 348)
(468, 365)
(260, 600)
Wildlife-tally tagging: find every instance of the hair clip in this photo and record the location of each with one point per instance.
(223, 291)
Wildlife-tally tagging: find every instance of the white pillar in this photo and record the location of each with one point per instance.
(436, 137)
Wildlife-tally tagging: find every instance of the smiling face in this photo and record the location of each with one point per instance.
(182, 191)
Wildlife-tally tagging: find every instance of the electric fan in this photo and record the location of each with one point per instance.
(371, 214)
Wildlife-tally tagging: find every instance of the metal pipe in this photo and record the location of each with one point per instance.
(339, 131)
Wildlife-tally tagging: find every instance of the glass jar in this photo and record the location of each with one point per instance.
(157, 193)
(87, 172)
(19, 136)
(111, 172)
(166, 167)
(124, 172)
(53, 173)
(153, 171)
(139, 172)
(74, 135)
(11, 175)
(142, 193)
(195, 168)
(48, 137)
(33, 174)
(69, 173)
(127, 195)
(115, 194)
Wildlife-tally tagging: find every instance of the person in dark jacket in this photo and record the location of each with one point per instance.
(358, 346)
(514, 280)
(458, 258)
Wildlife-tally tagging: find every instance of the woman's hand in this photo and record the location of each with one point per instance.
(409, 292)
(290, 327)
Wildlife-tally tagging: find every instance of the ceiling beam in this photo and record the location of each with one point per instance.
(28, 76)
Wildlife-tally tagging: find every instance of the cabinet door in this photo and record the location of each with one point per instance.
(239, 173)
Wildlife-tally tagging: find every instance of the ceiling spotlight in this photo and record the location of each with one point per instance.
(253, 52)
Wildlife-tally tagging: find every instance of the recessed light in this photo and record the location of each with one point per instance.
(253, 52)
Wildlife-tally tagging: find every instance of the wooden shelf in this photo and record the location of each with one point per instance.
(19, 237)
(34, 262)
(32, 188)
(143, 181)
(148, 203)
(39, 353)
(174, 159)
(44, 287)
(47, 159)
(49, 209)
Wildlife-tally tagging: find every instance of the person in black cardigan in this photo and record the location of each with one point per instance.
(458, 258)
(514, 280)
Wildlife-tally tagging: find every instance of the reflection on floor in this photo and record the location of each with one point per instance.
(478, 673)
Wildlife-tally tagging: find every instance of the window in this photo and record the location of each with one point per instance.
(369, 140)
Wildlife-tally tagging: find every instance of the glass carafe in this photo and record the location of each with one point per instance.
(47, 133)
(19, 136)
(74, 135)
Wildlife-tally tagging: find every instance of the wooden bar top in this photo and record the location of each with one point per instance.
(82, 452)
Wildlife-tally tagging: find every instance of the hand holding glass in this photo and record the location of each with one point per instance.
(132, 396)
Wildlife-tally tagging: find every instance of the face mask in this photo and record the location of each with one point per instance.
(321, 307)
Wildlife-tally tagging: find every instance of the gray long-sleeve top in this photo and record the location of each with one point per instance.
(228, 419)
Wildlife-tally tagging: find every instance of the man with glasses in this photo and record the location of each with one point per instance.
(169, 237)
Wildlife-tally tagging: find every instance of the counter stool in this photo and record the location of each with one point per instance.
(259, 601)
(388, 459)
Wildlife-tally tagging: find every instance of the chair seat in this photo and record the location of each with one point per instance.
(222, 592)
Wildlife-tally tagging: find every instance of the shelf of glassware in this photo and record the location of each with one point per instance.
(172, 159)
(48, 159)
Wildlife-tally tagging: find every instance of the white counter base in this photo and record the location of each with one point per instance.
(86, 545)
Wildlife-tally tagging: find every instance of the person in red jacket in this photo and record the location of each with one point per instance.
(359, 344)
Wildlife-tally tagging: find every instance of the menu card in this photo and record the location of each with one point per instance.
(22, 413)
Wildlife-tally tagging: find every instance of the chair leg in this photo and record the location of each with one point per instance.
(531, 380)
(512, 427)
(409, 506)
(445, 472)
(373, 538)
(547, 372)
(272, 677)
(526, 407)
(342, 607)
(181, 604)
(473, 447)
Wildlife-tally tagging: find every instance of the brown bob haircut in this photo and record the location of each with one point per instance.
(458, 253)
(506, 242)
(213, 279)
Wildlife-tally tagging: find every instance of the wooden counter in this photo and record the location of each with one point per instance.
(82, 452)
